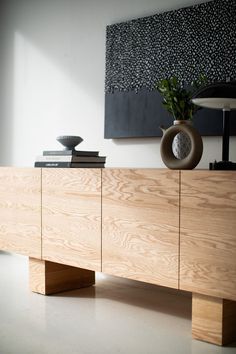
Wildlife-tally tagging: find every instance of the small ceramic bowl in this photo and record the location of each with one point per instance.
(69, 141)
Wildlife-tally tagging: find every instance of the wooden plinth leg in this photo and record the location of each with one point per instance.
(49, 278)
(213, 319)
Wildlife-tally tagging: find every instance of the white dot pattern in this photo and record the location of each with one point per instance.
(196, 40)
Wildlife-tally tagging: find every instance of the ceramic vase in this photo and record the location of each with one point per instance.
(181, 146)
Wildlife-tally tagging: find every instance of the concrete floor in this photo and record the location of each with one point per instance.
(115, 316)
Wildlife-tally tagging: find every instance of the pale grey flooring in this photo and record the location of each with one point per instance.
(115, 316)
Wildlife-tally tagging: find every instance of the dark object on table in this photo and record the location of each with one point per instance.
(69, 141)
(64, 164)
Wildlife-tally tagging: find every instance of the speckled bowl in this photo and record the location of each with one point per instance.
(69, 141)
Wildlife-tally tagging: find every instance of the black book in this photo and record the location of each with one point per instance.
(69, 164)
(70, 152)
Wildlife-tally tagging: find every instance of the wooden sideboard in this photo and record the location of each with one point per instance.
(171, 228)
(71, 206)
(140, 228)
(208, 233)
(20, 211)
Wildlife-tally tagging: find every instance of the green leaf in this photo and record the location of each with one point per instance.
(176, 98)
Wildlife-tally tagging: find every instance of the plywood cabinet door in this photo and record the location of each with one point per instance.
(140, 234)
(71, 217)
(208, 233)
(20, 210)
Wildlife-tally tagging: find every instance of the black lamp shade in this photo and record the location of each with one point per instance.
(221, 95)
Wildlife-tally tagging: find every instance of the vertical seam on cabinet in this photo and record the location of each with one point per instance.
(41, 201)
(179, 229)
(101, 220)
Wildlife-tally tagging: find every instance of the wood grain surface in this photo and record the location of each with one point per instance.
(140, 233)
(20, 210)
(213, 319)
(50, 278)
(208, 233)
(71, 217)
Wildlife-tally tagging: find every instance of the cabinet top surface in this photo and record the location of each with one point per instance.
(120, 168)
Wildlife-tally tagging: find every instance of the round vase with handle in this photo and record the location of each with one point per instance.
(181, 146)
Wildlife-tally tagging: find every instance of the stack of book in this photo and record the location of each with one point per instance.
(71, 159)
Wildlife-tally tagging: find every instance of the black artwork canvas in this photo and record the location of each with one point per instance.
(186, 43)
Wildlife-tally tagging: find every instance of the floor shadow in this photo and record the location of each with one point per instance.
(143, 295)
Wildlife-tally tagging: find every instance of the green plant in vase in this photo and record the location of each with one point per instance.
(177, 101)
(177, 97)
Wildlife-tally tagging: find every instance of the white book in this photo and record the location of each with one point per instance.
(69, 158)
(49, 158)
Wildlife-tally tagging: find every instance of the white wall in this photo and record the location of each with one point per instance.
(52, 68)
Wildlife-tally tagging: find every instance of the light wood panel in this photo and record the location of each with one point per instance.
(20, 210)
(208, 236)
(50, 278)
(71, 217)
(213, 319)
(140, 234)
